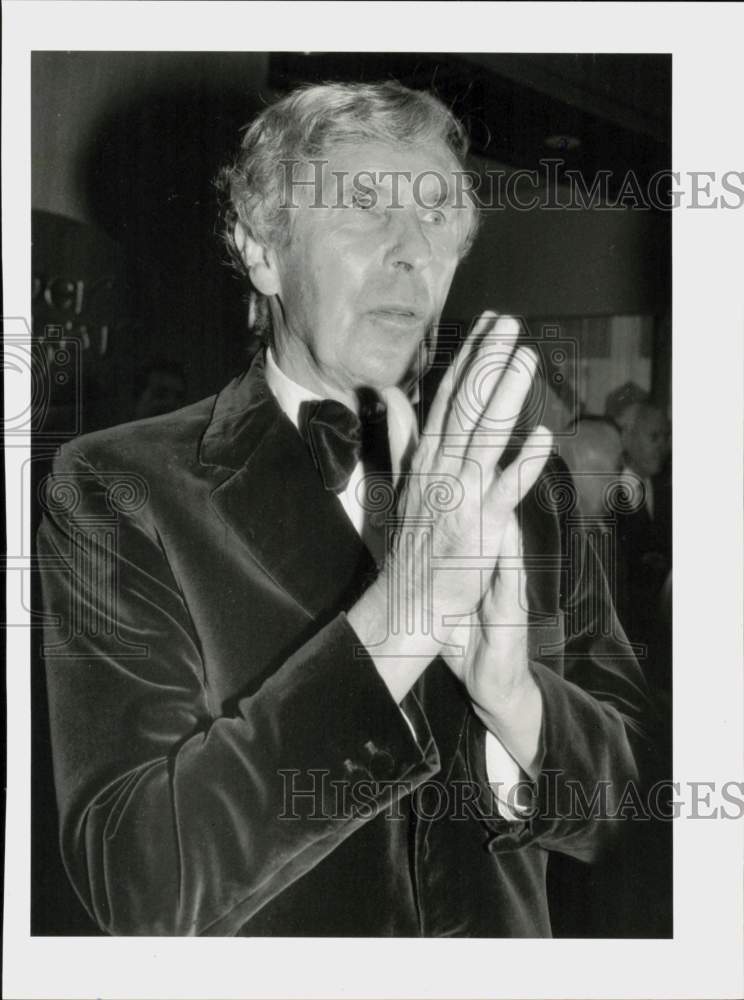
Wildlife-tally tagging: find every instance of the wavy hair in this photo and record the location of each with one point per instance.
(305, 124)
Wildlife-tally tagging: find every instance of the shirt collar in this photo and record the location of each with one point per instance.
(402, 424)
(289, 394)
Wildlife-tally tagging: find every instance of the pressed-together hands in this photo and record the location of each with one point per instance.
(456, 524)
(494, 667)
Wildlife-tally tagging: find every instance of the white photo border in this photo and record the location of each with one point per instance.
(704, 957)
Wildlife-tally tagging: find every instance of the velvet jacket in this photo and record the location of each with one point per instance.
(202, 676)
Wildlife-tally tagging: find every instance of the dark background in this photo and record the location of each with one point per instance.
(128, 268)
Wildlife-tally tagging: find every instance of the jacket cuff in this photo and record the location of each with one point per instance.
(331, 686)
(587, 764)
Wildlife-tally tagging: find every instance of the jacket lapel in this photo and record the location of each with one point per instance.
(274, 501)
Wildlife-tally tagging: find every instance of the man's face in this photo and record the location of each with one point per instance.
(365, 276)
(595, 460)
(647, 442)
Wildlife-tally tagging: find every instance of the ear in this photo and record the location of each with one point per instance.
(261, 262)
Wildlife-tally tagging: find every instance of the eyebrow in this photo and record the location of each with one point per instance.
(365, 184)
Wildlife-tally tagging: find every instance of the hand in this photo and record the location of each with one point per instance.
(494, 666)
(443, 555)
(494, 661)
(459, 454)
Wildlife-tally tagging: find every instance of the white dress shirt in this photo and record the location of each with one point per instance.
(503, 771)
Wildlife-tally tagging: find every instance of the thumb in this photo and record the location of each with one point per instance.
(507, 598)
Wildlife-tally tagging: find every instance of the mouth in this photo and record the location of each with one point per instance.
(398, 315)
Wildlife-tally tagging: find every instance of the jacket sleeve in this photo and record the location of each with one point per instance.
(174, 821)
(597, 742)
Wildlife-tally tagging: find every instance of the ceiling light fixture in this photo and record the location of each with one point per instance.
(563, 143)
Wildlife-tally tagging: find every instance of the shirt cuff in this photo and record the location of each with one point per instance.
(506, 778)
(410, 724)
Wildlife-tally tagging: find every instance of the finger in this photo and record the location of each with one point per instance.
(501, 541)
(509, 395)
(486, 319)
(440, 408)
(481, 368)
(496, 425)
(513, 484)
(508, 596)
(511, 544)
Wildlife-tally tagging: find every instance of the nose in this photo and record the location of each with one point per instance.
(409, 247)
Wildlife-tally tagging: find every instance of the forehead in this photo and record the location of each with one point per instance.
(381, 158)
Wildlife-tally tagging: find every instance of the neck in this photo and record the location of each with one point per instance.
(293, 358)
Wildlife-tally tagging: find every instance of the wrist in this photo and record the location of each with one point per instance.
(391, 621)
(400, 654)
(515, 718)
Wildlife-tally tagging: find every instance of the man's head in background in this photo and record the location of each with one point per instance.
(621, 398)
(160, 387)
(594, 456)
(645, 436)
(345, 210)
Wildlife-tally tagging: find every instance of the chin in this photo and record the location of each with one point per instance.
(384, 368)
(384, 372)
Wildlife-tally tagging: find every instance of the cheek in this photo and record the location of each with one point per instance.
(339, 269)
(442, 272)
(304, 282)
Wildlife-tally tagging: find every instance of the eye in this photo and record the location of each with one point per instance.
(436, 217)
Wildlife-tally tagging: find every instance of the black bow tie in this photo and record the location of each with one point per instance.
(338, 438)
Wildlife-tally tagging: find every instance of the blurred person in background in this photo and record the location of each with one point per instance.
(594, 455)
(645, 535)
(160, 387)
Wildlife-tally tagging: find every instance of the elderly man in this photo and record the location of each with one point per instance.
(308, 675)
(645, 437)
